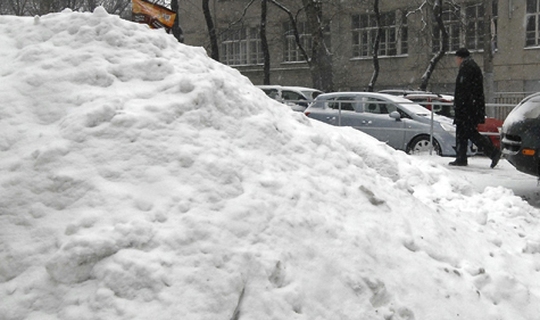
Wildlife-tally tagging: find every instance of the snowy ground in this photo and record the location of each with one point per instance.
(480, 175)
(139, 179)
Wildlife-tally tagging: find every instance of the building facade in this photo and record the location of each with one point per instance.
(409, 40)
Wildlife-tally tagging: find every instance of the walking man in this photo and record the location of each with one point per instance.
(470, 110)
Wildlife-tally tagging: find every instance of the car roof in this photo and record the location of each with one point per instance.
(429, 94)
(383, 96)
(299, 88)
(527, 98)
(402, 91)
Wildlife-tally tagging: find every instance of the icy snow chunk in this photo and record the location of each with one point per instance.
(75, 260)
(149, 70)
(99, 115)
(133, 274)
(532, 247)
(100, 12)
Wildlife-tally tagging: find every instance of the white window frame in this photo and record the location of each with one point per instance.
(474, 28)
(465, 28)
(394, 34)
(532, 23)
(241, 46)
(452, 23)
(291, 51)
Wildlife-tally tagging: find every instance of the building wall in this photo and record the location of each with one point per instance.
(516, 68)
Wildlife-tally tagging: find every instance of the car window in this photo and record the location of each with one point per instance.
(529, 109)
(346, 103)
(379, 106)
(310, 94)
(403, 114)
(292, 96)
(272, 93)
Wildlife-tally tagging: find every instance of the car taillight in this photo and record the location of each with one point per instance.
(307, 113)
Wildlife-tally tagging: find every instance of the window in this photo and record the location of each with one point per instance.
(291, 52)
(394, 34)
(532, 31)
(378, 106)
(343, 103)
(451, 20)
(241, 47)
(474, 35)
(294, 97)
(474, 32)
(465, 27)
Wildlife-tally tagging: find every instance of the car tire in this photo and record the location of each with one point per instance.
(421, 145)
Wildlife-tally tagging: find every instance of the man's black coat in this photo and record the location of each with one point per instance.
(469, 98)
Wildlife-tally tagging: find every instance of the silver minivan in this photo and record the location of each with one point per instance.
(401, 123)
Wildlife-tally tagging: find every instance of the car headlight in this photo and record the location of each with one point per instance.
(449, 128)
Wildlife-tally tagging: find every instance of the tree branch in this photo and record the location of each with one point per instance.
(295, 30)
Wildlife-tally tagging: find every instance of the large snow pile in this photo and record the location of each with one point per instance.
(142, 180)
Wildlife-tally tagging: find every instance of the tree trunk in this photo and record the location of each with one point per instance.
(376, 66)
(214, 47)
(488, 51)
(264, 43)
(176, 29)
(437, 11)
(321, 59)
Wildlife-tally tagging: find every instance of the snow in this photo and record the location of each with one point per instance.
(142, 180)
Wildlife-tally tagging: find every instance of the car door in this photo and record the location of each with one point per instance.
(344, 111)
(378, 123)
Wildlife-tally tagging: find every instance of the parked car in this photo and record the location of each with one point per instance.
(439, 103)
(395, 120)
(298, 98)
(521, 136)
(442, 104)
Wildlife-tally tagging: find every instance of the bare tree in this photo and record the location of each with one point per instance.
(176, 29)
(319, 59)
(41, 7)
(15, 7)
(438, 15)
(489, 48)
(264, 42)
(214, 54)
(376, 43)
(321, 56)
(118, 7)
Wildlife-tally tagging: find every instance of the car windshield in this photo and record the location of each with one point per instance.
(415, 108)
(530, 109)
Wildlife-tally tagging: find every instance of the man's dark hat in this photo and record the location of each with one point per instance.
(462, 53)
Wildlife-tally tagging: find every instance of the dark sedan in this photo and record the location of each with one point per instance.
(521, 136)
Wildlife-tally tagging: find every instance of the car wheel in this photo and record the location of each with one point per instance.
(421, 145)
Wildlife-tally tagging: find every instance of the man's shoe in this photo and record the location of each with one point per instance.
(495, 158)
(458, 163)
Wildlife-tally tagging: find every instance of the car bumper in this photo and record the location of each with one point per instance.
(520, 145)
(521, 157)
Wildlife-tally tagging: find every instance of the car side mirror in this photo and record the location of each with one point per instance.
(395, 115)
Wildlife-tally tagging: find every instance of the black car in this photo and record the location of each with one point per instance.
(520, 135)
